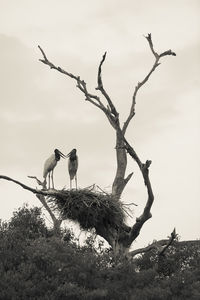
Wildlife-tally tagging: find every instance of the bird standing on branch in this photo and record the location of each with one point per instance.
(72, 166)
(50, 164)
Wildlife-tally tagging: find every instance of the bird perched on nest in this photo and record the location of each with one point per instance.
(50, 164)
(72, 166)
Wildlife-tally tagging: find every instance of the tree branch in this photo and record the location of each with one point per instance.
(164, 244)
(102, 90)
(135, 230)
(80, 83)
(126, 180)
(40, 194)
(144, 168)
(160, 246)
(51, 193)
(44, 203)
(52, 66)
(95, 100)
(171, 239)
(39, 182)
(56, 222)
(140, 84)
(156, 245)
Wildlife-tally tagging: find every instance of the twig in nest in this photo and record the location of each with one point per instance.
(38, 181)
(126, 204)
(127, 212)
(102, 190)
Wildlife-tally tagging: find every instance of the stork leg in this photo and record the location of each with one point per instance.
(45, 183)
(52, 179)
(70, 184)
(76, 181)
(49, 180)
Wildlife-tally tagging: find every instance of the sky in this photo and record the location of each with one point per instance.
(42, 110)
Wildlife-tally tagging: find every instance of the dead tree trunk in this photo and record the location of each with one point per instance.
(121, 157)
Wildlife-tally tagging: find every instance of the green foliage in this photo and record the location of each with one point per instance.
(34, 264)
(28, 222)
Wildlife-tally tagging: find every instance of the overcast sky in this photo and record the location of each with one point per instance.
(42, 110)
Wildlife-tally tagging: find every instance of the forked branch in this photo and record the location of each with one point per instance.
(170, 241)
(109, 111)
(140, 84)
(104, 93)
(50, 192)
(95, 100)
(160, 246)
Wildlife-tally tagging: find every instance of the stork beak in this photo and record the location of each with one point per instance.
(62, 155)
(69, 154)
(73, 151)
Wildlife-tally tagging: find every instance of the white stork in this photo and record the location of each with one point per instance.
(72, 166)
(50, 164)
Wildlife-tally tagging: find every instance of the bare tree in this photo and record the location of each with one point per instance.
(121, 238)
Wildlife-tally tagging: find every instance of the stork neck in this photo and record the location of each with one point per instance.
(73, 156)
(57, 156)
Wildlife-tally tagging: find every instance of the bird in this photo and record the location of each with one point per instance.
(50, 164)
(72, 166)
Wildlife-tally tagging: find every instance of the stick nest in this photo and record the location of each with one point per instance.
(90, 208)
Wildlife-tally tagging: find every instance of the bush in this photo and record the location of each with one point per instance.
(34, 264)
